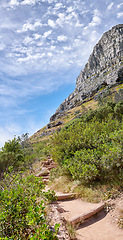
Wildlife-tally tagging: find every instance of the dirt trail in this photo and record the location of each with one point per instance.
(100, 226)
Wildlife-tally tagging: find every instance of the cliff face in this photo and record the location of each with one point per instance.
(104, 67)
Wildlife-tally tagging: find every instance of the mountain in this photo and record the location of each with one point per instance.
(104, 68)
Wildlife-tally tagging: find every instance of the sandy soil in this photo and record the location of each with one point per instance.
(99, 227)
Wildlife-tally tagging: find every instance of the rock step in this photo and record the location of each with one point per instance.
(48, 162)
(51, 166)
(65, 196)
(45, 177)
(82, 217)
(42, 174)
(45, 181)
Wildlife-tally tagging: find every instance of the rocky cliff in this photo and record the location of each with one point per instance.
(104, 67)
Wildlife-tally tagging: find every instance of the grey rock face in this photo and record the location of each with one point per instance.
(104, 67)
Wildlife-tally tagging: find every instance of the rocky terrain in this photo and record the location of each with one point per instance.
(104, 68)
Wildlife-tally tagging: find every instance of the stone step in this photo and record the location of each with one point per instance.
(42, 173)
(65, 196)
(45, 177)
(45, 181)
(51, 166)
(76, 210)
(82, 217)
(48, 162)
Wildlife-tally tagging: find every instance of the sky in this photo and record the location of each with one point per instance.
(44, 44)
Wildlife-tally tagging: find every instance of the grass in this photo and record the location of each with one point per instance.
(69, 115)
(93, 194)
(120, 220)
(71, 231)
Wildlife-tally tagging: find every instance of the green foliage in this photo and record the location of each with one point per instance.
(119, 95)
(16, 153)
(23, 210)
(41, 149)
(104, 96)
(91, 148)
(119, 110)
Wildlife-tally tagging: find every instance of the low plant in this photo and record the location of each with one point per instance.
(23, 209)
(71, 231)
(120, 220)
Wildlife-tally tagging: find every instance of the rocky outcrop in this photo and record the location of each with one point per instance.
(104, 67)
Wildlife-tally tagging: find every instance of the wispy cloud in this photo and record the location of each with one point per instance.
(46, 34)
(14, 3)
(120, 14)
(120, 5)
(110, 6)
(29, 2)
(28, 26)
(96, 20)
(51, 23)
(39, 39)
(62, 38)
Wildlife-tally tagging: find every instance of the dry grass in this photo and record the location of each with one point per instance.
(120, 220)
(93, 194)
(69, 115)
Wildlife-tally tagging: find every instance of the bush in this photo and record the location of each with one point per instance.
(16, 153)
(119, 110)
(90, 148)
(23, 214)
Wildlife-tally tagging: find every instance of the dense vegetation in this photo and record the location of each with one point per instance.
(16, 153)
(23, 200)
(22, 210)
(90, 148)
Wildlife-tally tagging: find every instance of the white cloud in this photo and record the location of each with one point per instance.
(28, 26)
(58, 5)
(110, 6)
(62, 38)
(120, 14)
(70, 9)
(78, 24)
(37, 36)
(49, 54)
(96, 20)
(14, 3)
(60, 19)
(28, 40)
(52, 47)
(46, 34)
(120, 5)
(29, 2)
(51, 23)
(67, 48)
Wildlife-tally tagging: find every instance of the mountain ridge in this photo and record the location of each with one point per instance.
(104, 67)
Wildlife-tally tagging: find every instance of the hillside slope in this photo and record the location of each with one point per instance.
(104, 68)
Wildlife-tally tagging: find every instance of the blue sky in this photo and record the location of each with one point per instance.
(43, 46)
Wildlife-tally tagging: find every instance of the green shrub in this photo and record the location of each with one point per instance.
(22, 211)
(91, 148)
(119, 110)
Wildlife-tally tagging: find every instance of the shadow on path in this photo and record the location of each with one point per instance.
(97, 217)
